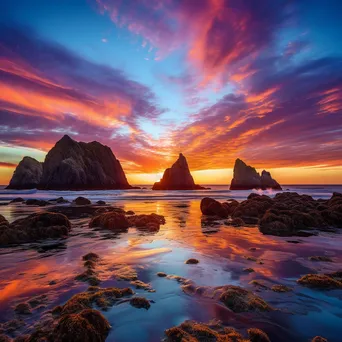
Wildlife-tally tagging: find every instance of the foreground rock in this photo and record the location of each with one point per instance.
(77, 320)
(178, 177)
(191, 331)
(209, 206)
(290, 213)
(118, 222)
(321, 281)
(114, 221)
(319, 339)
(27, 174)
(72, 165)
(87, 325)
(82, 201)
(149, 222)
(140, 303)
(235, 298)
(245, 177)
(90, 274)
(286, 214)
(3, 222)
(35, 227)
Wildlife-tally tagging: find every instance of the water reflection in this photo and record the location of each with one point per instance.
(223, 251)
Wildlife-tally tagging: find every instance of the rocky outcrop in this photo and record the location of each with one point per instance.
(72, 165)
(27, 174)
(35, 227)
(213, 331)
(177, 177)
(286, 214)
(246, 178)
(211, 207)
(118, 222)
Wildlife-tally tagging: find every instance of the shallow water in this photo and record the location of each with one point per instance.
(28, 270)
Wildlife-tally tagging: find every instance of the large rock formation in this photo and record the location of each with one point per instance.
(246, 178)
(27, 174)
(286, 214)
(177, 177)
(72, 165)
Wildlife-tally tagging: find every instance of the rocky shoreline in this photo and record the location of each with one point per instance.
(83, 314)
(285, 214)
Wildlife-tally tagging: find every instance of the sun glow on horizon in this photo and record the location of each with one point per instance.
(284, 175)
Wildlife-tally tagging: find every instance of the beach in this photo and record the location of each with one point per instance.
(47, 269)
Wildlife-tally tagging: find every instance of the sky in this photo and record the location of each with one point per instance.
(214, 79)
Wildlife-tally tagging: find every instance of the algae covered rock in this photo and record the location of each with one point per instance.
(114, 221)
(209, 206)
(37, 226)
(86, 326)
(192, 331)
(320, 281)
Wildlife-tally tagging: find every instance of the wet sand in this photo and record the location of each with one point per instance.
(224, 252)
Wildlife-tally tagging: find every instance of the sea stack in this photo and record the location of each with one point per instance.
(72, 165)
(27, 174)
(245, 177)
(177, 177)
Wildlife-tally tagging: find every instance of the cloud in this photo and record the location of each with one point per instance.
(47, 91)
(217, 34)
(276, 104)
(289, 117)
(44, 76)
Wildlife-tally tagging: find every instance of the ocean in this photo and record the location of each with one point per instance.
(219, 192)
(45, 272)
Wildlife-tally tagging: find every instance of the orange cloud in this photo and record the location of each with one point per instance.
(53, 103)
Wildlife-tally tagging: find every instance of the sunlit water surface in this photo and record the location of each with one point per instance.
(50, 268)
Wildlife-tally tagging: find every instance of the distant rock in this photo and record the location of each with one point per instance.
(82, 201)
(267, 182)
(177, 177)
(27, 174)
(17, 200)
(72, 165)
(34, 201)
(246, 178)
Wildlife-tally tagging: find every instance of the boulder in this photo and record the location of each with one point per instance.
(320, 281)
(178, 177)
(34, 201)
(82, 201)
(213, 331)
(17, 200)
(246, 178)
(286, 214)
(254, 207)
(86, 326)
(149, 222)
(3, 221)
(27, 174)
(72, 165)
(35, 227)
(112, 220)
(209, 206)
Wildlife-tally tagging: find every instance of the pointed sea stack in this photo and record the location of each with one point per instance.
(247, 178)
(72, 165)
(177, 177)
(27, 174)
